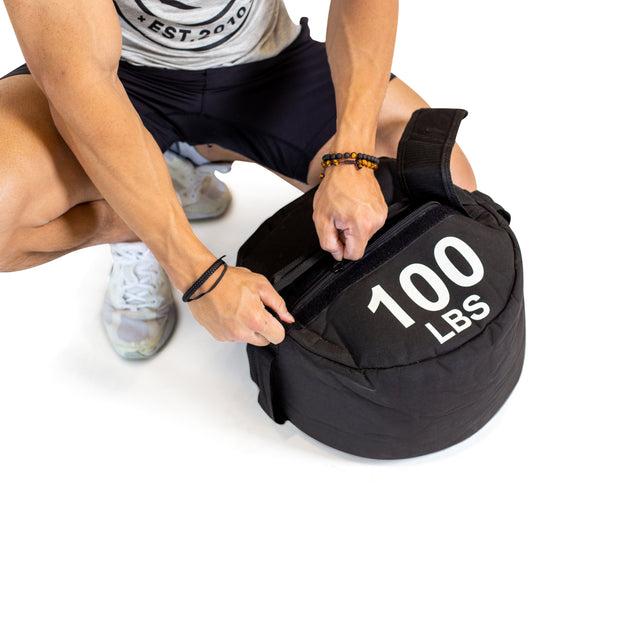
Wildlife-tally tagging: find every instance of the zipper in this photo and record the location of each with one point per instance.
(339, 268)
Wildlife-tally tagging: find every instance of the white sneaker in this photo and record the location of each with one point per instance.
(138, 314)
(202, 195)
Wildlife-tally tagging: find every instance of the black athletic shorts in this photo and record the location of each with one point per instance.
(278, 112)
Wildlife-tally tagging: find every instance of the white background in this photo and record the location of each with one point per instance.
(156, 500)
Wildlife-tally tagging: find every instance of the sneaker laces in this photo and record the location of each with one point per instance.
(138, 275)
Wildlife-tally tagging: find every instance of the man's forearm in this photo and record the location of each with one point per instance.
(95, 117)
(123, 161)
(360, 42)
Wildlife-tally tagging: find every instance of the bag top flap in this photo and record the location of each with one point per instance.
(286, 244)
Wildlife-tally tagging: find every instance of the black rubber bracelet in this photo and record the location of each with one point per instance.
(188, 294)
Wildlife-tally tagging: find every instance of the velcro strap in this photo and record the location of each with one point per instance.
(424, 155)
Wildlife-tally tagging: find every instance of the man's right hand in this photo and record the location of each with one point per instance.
(235, 311)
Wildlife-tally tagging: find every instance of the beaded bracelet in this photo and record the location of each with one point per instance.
(358, 159)
(188, 294)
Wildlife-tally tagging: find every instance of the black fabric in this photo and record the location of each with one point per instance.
(422, 152)
(414, 347)
(18, 71)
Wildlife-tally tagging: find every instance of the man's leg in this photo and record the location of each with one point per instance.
(48, 205)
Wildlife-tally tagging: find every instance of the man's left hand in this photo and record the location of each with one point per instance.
(348, 209)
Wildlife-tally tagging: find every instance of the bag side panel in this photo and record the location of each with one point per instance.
(409, 411)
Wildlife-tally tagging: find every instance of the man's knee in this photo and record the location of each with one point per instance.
(388, 137)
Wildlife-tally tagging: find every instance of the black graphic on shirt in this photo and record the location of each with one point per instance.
(159, 24)
(178, 5)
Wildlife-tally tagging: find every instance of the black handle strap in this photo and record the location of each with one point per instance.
(262, 368)
(424, 154)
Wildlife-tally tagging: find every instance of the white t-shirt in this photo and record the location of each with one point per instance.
(202, 34)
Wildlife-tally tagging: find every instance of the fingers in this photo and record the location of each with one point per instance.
(348, 209)
(329, 236)
(261, 332)
(259, 326)
(354, 246)
(271, 330)
(272, 299)
(349, 243)
(357, 236)
(258, 340)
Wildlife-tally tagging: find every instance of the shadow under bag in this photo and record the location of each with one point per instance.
(414, 347)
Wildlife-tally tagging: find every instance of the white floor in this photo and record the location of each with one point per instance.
(156, 500)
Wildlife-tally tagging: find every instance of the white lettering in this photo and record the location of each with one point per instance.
(472, 303)
(432, 278)
(441, 339)
(457, 320)
(450, 270)
(380, 296)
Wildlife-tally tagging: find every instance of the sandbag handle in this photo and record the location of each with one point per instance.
(424, 156)
(263, 371)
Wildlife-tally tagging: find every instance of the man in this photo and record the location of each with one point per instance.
(111, 85)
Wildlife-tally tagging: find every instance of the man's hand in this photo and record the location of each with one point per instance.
(348, 209)
(235, 310)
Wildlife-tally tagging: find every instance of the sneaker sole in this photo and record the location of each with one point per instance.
(136, 354)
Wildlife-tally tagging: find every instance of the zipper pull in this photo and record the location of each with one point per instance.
(337, 266)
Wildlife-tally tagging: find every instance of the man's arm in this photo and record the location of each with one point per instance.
(73, 51)
(349, 207)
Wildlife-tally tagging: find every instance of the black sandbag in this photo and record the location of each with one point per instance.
(414, 347)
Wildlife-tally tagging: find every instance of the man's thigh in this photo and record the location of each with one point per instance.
(276, 112)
